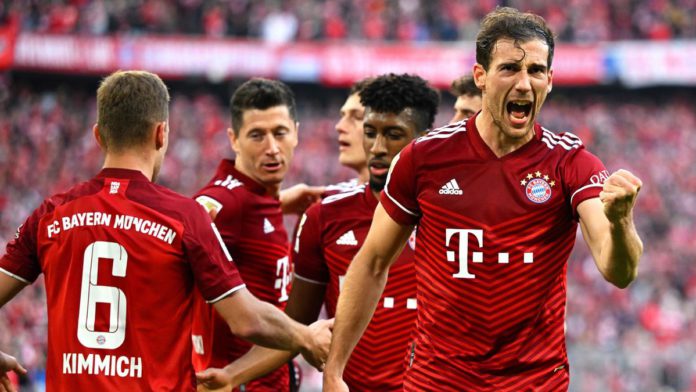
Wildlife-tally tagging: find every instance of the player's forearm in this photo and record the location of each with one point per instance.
(256, 363)
(621, 252)
(359, 297)
(274, 329)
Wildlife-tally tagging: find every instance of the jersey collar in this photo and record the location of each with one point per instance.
(112, 172)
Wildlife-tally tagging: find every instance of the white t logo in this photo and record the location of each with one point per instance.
(477, 257)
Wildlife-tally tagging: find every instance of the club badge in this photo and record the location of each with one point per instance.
(537, 187)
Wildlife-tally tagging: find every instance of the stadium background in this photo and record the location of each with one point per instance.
(625, 83)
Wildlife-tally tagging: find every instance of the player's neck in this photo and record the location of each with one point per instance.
(142, 164)
(498, 141)
(363, 175)
(272, 189)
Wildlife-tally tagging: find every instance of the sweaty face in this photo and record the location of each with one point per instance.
(465, 107)
(265, 144)
(385, 135)
(350, 134)
(515, 86)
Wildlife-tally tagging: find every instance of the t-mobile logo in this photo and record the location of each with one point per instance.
(476, 257)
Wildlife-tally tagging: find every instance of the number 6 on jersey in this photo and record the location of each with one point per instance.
(92, 293)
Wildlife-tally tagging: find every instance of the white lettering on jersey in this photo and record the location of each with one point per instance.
(103, 365)
(229, 182)
(145, 226)
(284, 278)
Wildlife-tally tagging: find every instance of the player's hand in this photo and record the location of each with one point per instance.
(213, 380)
(334, 384)
(8, 363)
(619, 195)
(296, 199)
(317, 351)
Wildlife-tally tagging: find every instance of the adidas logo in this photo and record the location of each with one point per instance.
(347, 239)
(267, 226)
(451, 188)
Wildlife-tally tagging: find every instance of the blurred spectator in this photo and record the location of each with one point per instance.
(404, 20)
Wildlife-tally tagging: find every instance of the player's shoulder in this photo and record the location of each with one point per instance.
(341, 187)
(340, 200)
(174, 204)
(75, 192)
(441, 136)
(225, 189)
(564, 142)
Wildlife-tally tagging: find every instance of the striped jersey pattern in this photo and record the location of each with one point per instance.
(251, 226)
(331, 233)
(491, 260)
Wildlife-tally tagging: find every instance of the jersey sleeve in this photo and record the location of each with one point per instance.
(399, 197)
(307, 250)
(215, 274)
(584, 176)
(21, 258)
(225, 209)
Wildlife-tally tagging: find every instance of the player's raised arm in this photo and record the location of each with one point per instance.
(361, 290)
(608, 228)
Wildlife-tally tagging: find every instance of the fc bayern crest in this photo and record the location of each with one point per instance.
(537, 187)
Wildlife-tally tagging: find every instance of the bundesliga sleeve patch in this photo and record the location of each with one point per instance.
(212, 206)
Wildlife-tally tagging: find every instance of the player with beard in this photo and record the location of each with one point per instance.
(497, 200)
(398, 108)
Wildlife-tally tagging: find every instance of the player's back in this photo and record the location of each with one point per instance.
(118, 285)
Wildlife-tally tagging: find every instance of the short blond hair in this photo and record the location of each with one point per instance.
(129, 104)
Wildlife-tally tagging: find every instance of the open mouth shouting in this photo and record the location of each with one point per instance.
(518, 111)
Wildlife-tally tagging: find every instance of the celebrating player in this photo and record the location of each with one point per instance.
(468, 100)
(398, 108)
(497, 200)
(121, 255)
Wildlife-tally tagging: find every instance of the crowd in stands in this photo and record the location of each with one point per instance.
(639, 339)
(583, 21)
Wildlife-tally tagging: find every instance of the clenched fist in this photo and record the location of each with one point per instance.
(619, 195)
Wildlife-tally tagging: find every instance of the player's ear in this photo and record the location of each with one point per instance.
(160, 135)
(479, 74)
(297, 133)
(234, 140)
(550, 87)
(97, 137)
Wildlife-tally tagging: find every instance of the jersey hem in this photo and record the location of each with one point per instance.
(310, 280)
(226, 294)
(19, 278)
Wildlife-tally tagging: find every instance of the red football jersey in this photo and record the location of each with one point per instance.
(251, 225)
(330, 234)
(494, 237)
(120, 257)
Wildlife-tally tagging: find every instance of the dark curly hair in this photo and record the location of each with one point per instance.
(507, 22)
(393, 93)
(260, 93)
